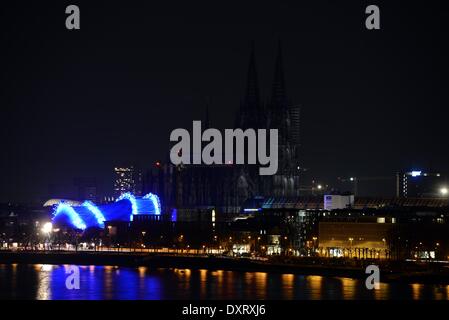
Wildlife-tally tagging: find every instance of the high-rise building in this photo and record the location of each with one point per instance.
(123, 180)
(138, 182)
(419, 184)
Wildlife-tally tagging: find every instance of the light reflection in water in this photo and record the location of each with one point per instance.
(440, 293)
(183, 278)
(230, 283)
(14, 278)
(261, 284)
(382, 293)
(108, 283)
(142, 271)
(203, 281)
(44, 281)
(104, 282)
(288, 284)
(314, 283)
(219, 279)
(416, 289)
(47, 267)
(349, 287)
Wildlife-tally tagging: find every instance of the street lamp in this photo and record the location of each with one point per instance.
(47, 228)
(444, 191)
(355, 181)
(143, 238)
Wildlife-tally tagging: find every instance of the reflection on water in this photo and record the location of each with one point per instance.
(350, 286)
(44, 274)
(314, 284)
(45, 282)
(417, 289)
(288, 286)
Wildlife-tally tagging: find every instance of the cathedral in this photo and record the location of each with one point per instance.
(277, 113)
(227, 187)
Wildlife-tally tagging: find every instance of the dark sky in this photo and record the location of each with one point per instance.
(76, 103)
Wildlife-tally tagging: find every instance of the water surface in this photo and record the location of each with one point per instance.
(43, 282)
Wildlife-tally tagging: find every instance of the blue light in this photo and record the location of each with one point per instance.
(89, 215)
(156, 202)
(96, 212)
(128, 196)
(416, 173)
(174, 215)
(73, 216)
(252, 210)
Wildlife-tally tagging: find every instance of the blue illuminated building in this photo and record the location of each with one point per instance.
(88, 215)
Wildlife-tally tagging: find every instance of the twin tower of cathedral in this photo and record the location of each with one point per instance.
(276, 113)
(227, 187)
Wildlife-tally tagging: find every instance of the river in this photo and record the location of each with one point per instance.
(48, 282)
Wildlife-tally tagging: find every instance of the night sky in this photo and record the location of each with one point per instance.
(77, 103)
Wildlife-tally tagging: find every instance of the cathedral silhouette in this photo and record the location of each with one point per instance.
(228, 187)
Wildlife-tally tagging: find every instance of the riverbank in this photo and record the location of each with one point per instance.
(417, 274)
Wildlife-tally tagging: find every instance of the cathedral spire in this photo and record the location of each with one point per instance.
(278, 95)
(250, 108)
(252, 97)
(206, 118)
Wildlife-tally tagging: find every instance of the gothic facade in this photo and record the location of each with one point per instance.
(277, 113)
(226, 187)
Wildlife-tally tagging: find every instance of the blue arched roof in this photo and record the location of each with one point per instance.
(89, 215)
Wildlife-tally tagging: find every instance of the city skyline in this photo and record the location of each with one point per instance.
(371, 101)
(223, 158)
